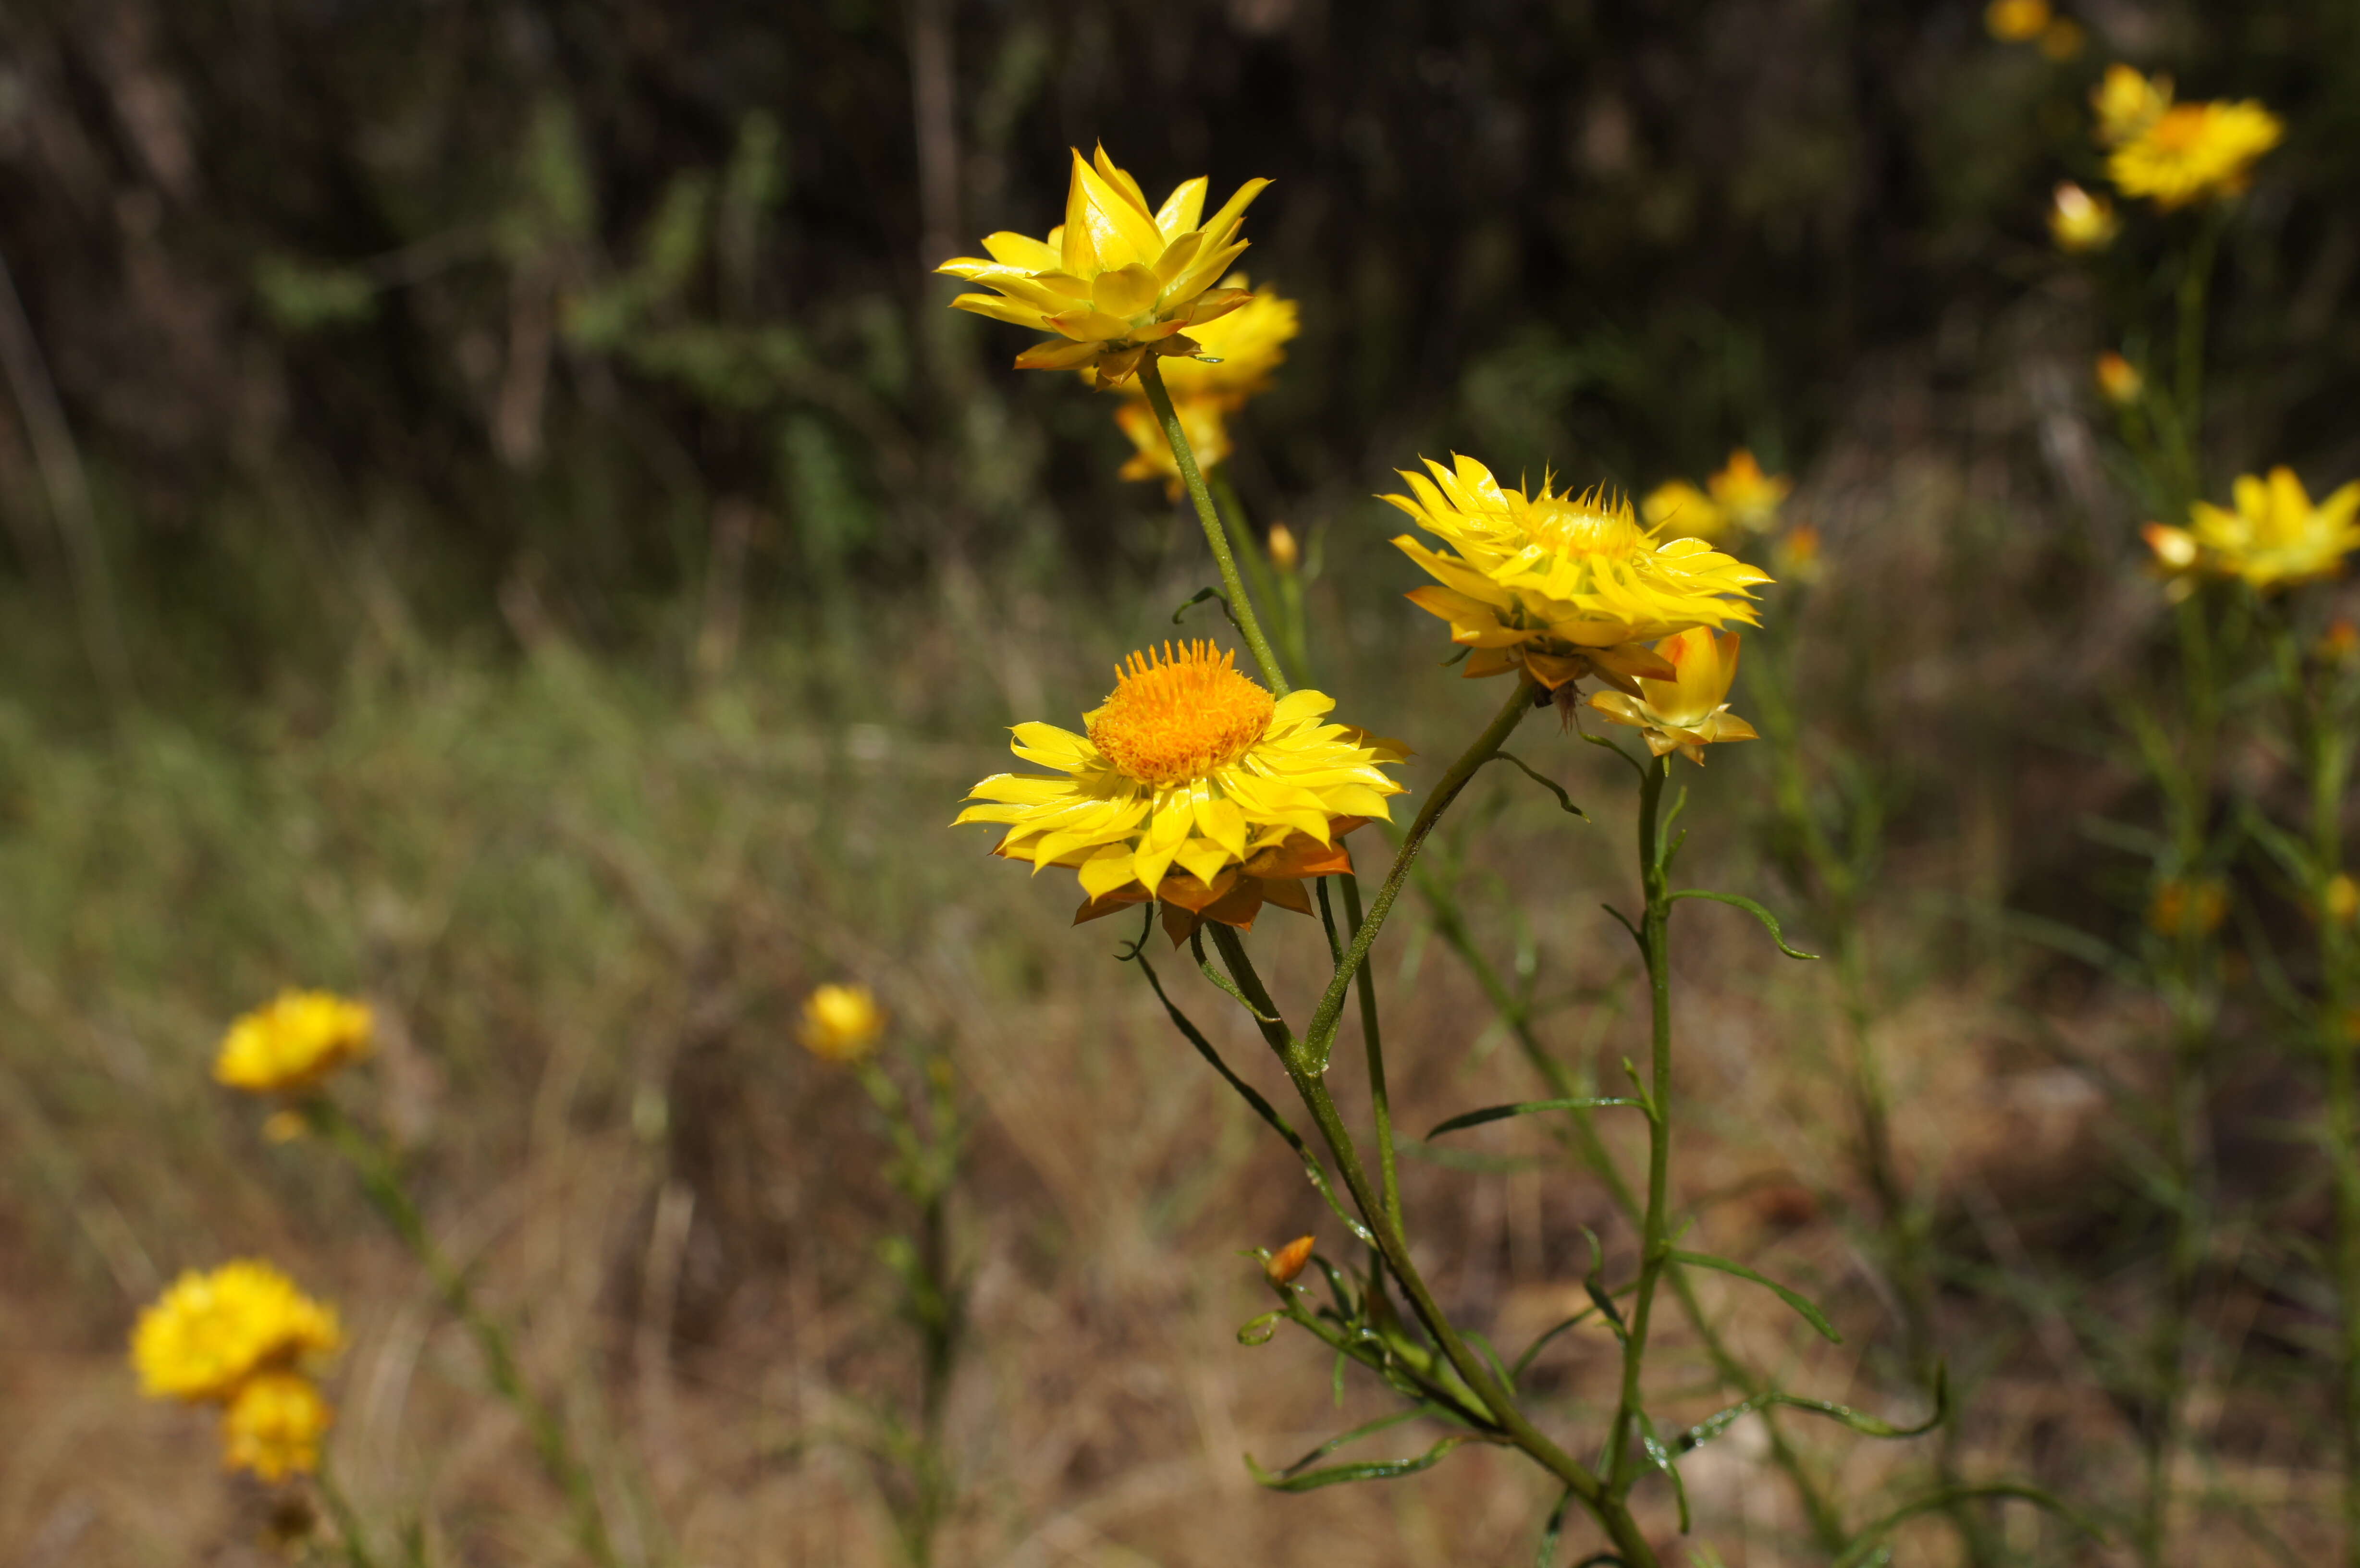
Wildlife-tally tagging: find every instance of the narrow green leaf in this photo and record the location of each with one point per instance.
(1594, 1282)
(1769, 920)
(1247, 1092)
(1661, 1458)
(1564, 801)
(1524, 1108)
(1801, 1303)
(1376, 1470)
(1713, 1425)
(1865, 1543)
(1368, 1429)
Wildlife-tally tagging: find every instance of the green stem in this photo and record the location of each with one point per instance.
(1392, 1245)
(1321, 1037)
(1381, 1100)
(1271, 583)
(1655, 1246)
(1241, 610)
(382, 1184)
(348, 1519)
(2187, 365)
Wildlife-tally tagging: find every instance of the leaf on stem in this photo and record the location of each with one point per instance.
(1217, 597)
(1262, 1108)
(1769, 920)
(1526, 1108)
(1197, 946)
(1801, 1303)
(1865, 1543)
(1374, 1470)
(1564, 801)
(1661, 1458)
(1594, 1282)
(1713, 1425)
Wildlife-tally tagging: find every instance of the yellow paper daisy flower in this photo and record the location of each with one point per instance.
(211, 1332)
(1561, 585)
(1746, 495)
(1118, 279)
(1205, 421)
(2017, 21)
(841, 1023)
(1680, 510)
(1240, 351)
(2274, 537)
(2080, 223)
(2195, 152)
(1690, 710)
(1192, 786)
(274, 1426)
(2127, 103)
(292, 1044)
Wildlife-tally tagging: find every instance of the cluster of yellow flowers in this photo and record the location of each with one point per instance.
(2275, 536)
(2174, 155)
(1194, 787)
(244, 1337)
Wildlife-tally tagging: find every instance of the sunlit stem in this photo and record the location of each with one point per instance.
(381, 1182)
(1270, 584)
(1392, 1245)
(1655, 1246)
(1321, 1037)
(1150, 379)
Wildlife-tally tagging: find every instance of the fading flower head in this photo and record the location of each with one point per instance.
(287, 1046)
(2275, 536)
(211, 1332)
(1561, 585)
(2017, 21)
(841, 1023)
(1690, 710)
(2118, 378)
(2195, 152)
(2080, 223)
(1192, 786)
(2128, 102)
(273, 1425)
(1118, 279)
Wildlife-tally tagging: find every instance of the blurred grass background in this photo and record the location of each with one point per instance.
(496, 517)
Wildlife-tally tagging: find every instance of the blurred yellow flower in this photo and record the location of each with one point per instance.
(2275, 538)
(1241, 349)
(274, 1426)
(2063, 39)
(2195, 152)
(1195, 787)
(2127, 103)
(1797, 555)
(2017, 21)
(1204, 421)
(1746, 495)
(2118, 378)
(208, 1333)
(1117, 279)
(2078, 221)
(1284, 553)
(292, 1044)
(1679, 509)
(2192, 906)
(841, 1023)
(1561, 585)
(2341, 901)
(1690, 710)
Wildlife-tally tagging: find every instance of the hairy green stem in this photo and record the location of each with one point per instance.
(1242, 609)
(1655, 1247)
(382, 1183)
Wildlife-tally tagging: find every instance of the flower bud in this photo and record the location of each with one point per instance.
(2080, 221)
(2193, 906)
(2341, 901)
(1288, 1261)
(2118, 378)
(1284, 553)
(841, 1023)
(2339, 643)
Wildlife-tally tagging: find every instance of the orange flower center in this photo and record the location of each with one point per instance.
(1174, 716)
(2179, 130)
(1583, 525)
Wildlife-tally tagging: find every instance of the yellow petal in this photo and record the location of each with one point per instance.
(1000, 309)
(1057, 354)
(1126, 291)
(1183, 210)
(1020, 250)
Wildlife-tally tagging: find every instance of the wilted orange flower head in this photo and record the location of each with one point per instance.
(1117, 279)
